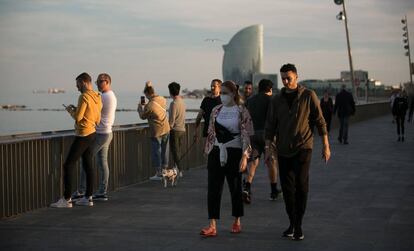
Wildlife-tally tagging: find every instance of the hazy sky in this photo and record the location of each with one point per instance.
(46, 43)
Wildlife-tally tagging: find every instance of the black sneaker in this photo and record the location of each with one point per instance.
(246, 197)
(298, 234)
(275, 195)
(288, 232)
(402, 138)
(100, 197)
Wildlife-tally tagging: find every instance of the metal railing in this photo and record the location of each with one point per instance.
(31, 164)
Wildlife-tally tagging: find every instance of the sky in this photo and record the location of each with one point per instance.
(47, 43)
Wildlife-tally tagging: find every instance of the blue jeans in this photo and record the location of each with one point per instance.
(159, 152)
(100, 148)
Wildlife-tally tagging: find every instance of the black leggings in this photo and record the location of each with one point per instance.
(294, 178)
(328, 119)
(81, 147)
(216, 175)
(400, 124)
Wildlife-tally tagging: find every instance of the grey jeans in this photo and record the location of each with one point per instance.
(176, 142)
(100, 148)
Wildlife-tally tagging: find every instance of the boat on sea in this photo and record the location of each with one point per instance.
(13, 107)
(49, 91)
(55, 90)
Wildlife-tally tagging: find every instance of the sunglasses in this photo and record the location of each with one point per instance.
(100, 81)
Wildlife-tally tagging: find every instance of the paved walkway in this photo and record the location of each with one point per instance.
(362, 200)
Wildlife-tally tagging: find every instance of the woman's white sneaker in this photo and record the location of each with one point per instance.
(156, 178)
(84, 201)
(62, 203)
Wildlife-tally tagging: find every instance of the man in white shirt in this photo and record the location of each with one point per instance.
(103, 139)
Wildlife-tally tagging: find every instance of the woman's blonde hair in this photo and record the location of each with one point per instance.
(149, 89)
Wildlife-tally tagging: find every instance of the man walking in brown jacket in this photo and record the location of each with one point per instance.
(290, 119)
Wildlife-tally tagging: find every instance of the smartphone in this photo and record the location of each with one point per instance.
(142, 100)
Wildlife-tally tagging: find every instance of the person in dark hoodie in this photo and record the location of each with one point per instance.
(258, 105)
(87, 116)
(399, 110)
(345, 106)
(327, 109)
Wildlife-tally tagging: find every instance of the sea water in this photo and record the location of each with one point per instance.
(45, 112)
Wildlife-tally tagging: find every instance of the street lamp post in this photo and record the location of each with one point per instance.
(406, 42)
(342, 16)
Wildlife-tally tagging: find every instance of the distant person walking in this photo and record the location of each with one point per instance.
(345, 107)
(399, 110)
(228, 148)
(156, 114)
(86, 115)
(207, 105)
(411, 109)
(103, 140)
(177, 124)
(289, 119)
(392, 97)
(327, 109)
(258, 106)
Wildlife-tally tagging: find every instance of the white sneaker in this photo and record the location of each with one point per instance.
(62, 203)
(85, 201)
(181, 174)
(155, 178)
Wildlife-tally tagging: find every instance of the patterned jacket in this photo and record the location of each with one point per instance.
(246, 129)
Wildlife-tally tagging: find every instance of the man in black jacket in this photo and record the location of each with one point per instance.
(345, 106)
(258, 105)
(289, 121)
(399, 109)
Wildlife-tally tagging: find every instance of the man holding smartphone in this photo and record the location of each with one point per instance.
(290, 118)
(86, 115)
(156, 114)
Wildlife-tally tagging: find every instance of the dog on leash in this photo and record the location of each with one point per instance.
(170, 175)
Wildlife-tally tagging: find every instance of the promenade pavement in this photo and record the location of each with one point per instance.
(363, 199)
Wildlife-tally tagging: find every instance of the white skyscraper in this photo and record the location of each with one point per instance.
(243, 54)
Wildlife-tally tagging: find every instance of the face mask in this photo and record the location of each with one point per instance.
(226, 99)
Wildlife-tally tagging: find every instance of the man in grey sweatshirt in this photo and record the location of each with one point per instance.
(177, 124)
